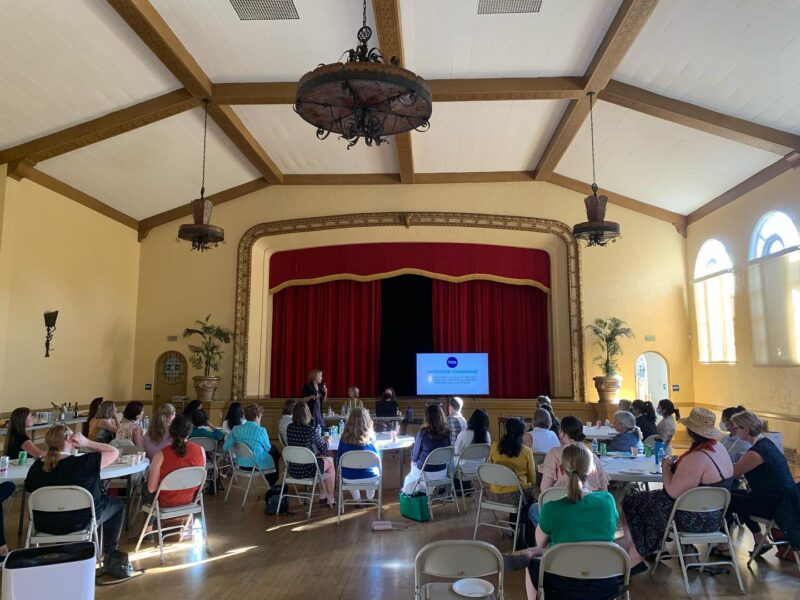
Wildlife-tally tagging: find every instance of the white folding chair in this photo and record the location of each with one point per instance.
(282, 438)
(499, 475)
(587, 561)
(60, 499)
(474, 453)
(455, 559)
(118, 443)
(550, 494)
(769, 524)
(699, 500)
(239, 451)
(442, 457)
(209, 446)
(300, 456)
(360, 459)
(187, 478)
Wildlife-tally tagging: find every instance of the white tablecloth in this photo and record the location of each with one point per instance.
(383, 443)
(17, 474)
(631, 469)
(599, 433)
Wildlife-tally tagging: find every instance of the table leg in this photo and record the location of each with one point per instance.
(23, 505)
(128, 502)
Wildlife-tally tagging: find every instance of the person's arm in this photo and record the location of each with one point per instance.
(137, 437)
(549, 470)
(154, 478)
(531, 466)
(417, 447)
(542, 539)
(228, 444)
(108, 453)
(687, 476)
(264, 438)
(749, 461)
(527, 439)
(32, 449)
(107, 424)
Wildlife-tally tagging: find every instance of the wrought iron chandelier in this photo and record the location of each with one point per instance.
(201, 233)
(595, 231)
(364, 97)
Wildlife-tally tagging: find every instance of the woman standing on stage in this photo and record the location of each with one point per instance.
(315, 393)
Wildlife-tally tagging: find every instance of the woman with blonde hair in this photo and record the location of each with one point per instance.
(103, 427)
(357, 435)
(315, 393)
(157, 436)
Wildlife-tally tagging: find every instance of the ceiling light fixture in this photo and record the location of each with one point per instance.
(596, 231)
(201, 232)
(364, 97)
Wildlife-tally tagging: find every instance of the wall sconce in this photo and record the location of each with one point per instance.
(50, 324)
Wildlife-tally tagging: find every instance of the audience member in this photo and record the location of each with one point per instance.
(286, 418)
(625, 405)
(357, 435)
(432, 435)
(130, 427)
(103, 427)
(456, 422)
(510, 452)
(6, 489)
(315, 393)
(255, 437)
(477, 432)
(628, 434)
(17, 439)
(233, 417)
(303, 432)
(178, 455)
(93, 406)
(353, 393)
(201, 427)
(386, 406)
(645, 514)
(545, 403)
(157, 436)
(645, 417)
(541, 438)
(735, 445)
(666, 426)
(189, 409)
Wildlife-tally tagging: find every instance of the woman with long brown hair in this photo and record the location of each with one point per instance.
(179, 454)
(357, 435)
(302, 432)
(432, 435)
(157, 436)
(17, 439)
(103, 427)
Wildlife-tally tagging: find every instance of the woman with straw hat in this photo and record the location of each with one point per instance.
(644, 515)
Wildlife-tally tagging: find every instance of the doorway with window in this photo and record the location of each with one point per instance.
(652, 377)
(170, 379)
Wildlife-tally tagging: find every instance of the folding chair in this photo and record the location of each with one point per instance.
(491, 474)
(360, 459)
(239, 451)
(300, 456)
(471, 454)
(455, 559)
(442, 457)
(538, 461)
(550, 494)
(587, 561)
(210, 445)
(699, 500)
(769, 524)
(60, 499)
(187, 478)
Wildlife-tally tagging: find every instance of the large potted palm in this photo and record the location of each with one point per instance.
(205, 356)
(608, 333)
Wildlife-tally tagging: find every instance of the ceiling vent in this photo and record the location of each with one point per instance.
(265, 10)
(505, 7)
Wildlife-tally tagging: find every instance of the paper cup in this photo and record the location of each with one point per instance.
(634, 451)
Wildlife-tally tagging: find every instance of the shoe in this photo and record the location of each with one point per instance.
(514, 562)
(718, 553)
(117, 565)
(638, 569)
(761, 552)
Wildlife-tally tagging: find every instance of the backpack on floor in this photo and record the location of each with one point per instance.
(273, 495)
(526, 537)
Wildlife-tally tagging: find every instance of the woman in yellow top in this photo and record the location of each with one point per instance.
(512, 453)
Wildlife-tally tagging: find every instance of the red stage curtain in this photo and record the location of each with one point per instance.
(334, 326)
(507, 321)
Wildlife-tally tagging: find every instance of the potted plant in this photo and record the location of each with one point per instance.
(205, 356)
(608, 333)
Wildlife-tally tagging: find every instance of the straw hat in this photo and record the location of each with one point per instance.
(701, 421)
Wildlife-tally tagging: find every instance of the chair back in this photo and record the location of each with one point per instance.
(499, 475)
(206, 443)
(60, 498)
(359, 459)
(703, 500)
(439, 456)
(650, 440)
(183, 479)
(550, 494)
(586, 560)
(455, 559)
(476, 452)
(242, 450)
(118, 443)
(538, 458)
(298, 455)
(282, 438)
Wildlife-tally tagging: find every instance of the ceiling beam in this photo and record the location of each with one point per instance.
(390, 40)
(703, 119)
(147, 23)
(101, 128)
(628, 22)
(790, 161)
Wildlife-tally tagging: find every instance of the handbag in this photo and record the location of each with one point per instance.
(415, 506)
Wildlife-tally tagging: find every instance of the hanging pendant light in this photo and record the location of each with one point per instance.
(201, 233)
(595, 231)
(364, 97)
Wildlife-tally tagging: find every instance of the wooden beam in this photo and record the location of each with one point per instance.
(390, 40)
(148, 24)
(101, 128)
(355, 179)
(261, 92)
(145, 225)
(790, 161)
(679, 221)
(475, 177)
(703, 119)
(628, 22)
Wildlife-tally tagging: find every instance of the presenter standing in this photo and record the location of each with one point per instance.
(315, 393)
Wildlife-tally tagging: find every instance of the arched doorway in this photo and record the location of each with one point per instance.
(170, 379)
(652, 377)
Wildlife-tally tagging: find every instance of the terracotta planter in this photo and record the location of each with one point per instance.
(607, 388)
(205, 387)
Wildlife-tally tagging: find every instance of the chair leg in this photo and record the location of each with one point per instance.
(732, 549)
(477, 516)
(280, 496)
(340, 506)
(203, 525)
(455, 498)
(160, 537)
(311, 499)
(247, 489)
(230, 485)
(144, 530)
(380, 501)
(682, 560)
(764, 541)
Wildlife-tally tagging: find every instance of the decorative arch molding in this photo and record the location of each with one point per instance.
(407, 220)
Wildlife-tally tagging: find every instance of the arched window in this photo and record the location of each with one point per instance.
(773, 280)
(714, 286)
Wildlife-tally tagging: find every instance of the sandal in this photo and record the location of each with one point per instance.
(720, 553)
(761, 551)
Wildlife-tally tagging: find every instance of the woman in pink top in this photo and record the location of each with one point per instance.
(571, 433)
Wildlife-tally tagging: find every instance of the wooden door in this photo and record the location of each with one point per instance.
(170, 380)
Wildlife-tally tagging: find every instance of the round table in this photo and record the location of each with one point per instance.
(599, 433)
(383, 444)
(625, 468)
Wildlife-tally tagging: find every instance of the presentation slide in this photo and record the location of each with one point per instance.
(453, 374)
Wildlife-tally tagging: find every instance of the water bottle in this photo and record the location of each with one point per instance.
(341, 426)
(146, 423)
(595, 446)
(658, 452)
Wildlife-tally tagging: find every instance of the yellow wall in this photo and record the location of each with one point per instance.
(771, 391)
(57, 254)
(640, 279)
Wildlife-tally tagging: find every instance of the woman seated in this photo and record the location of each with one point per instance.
(103, 427)
(93, 406)
(60, 467)
(201, 427)
(157, 436)
(583, 516)
(645, 514)
(130, 427)
(512, 453)
(628, 434)
(17, 438)
(302, 431)
(666, 426)
(432, 435)
(255, 437)
(541, 438)
(477, 432)
(234, 417)
(767, 474)
(545, 403)
(178, 455)
(6, 489)
(286, 418)
(645, 417)
(735, 445)
(357, 435)
(191, 407)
